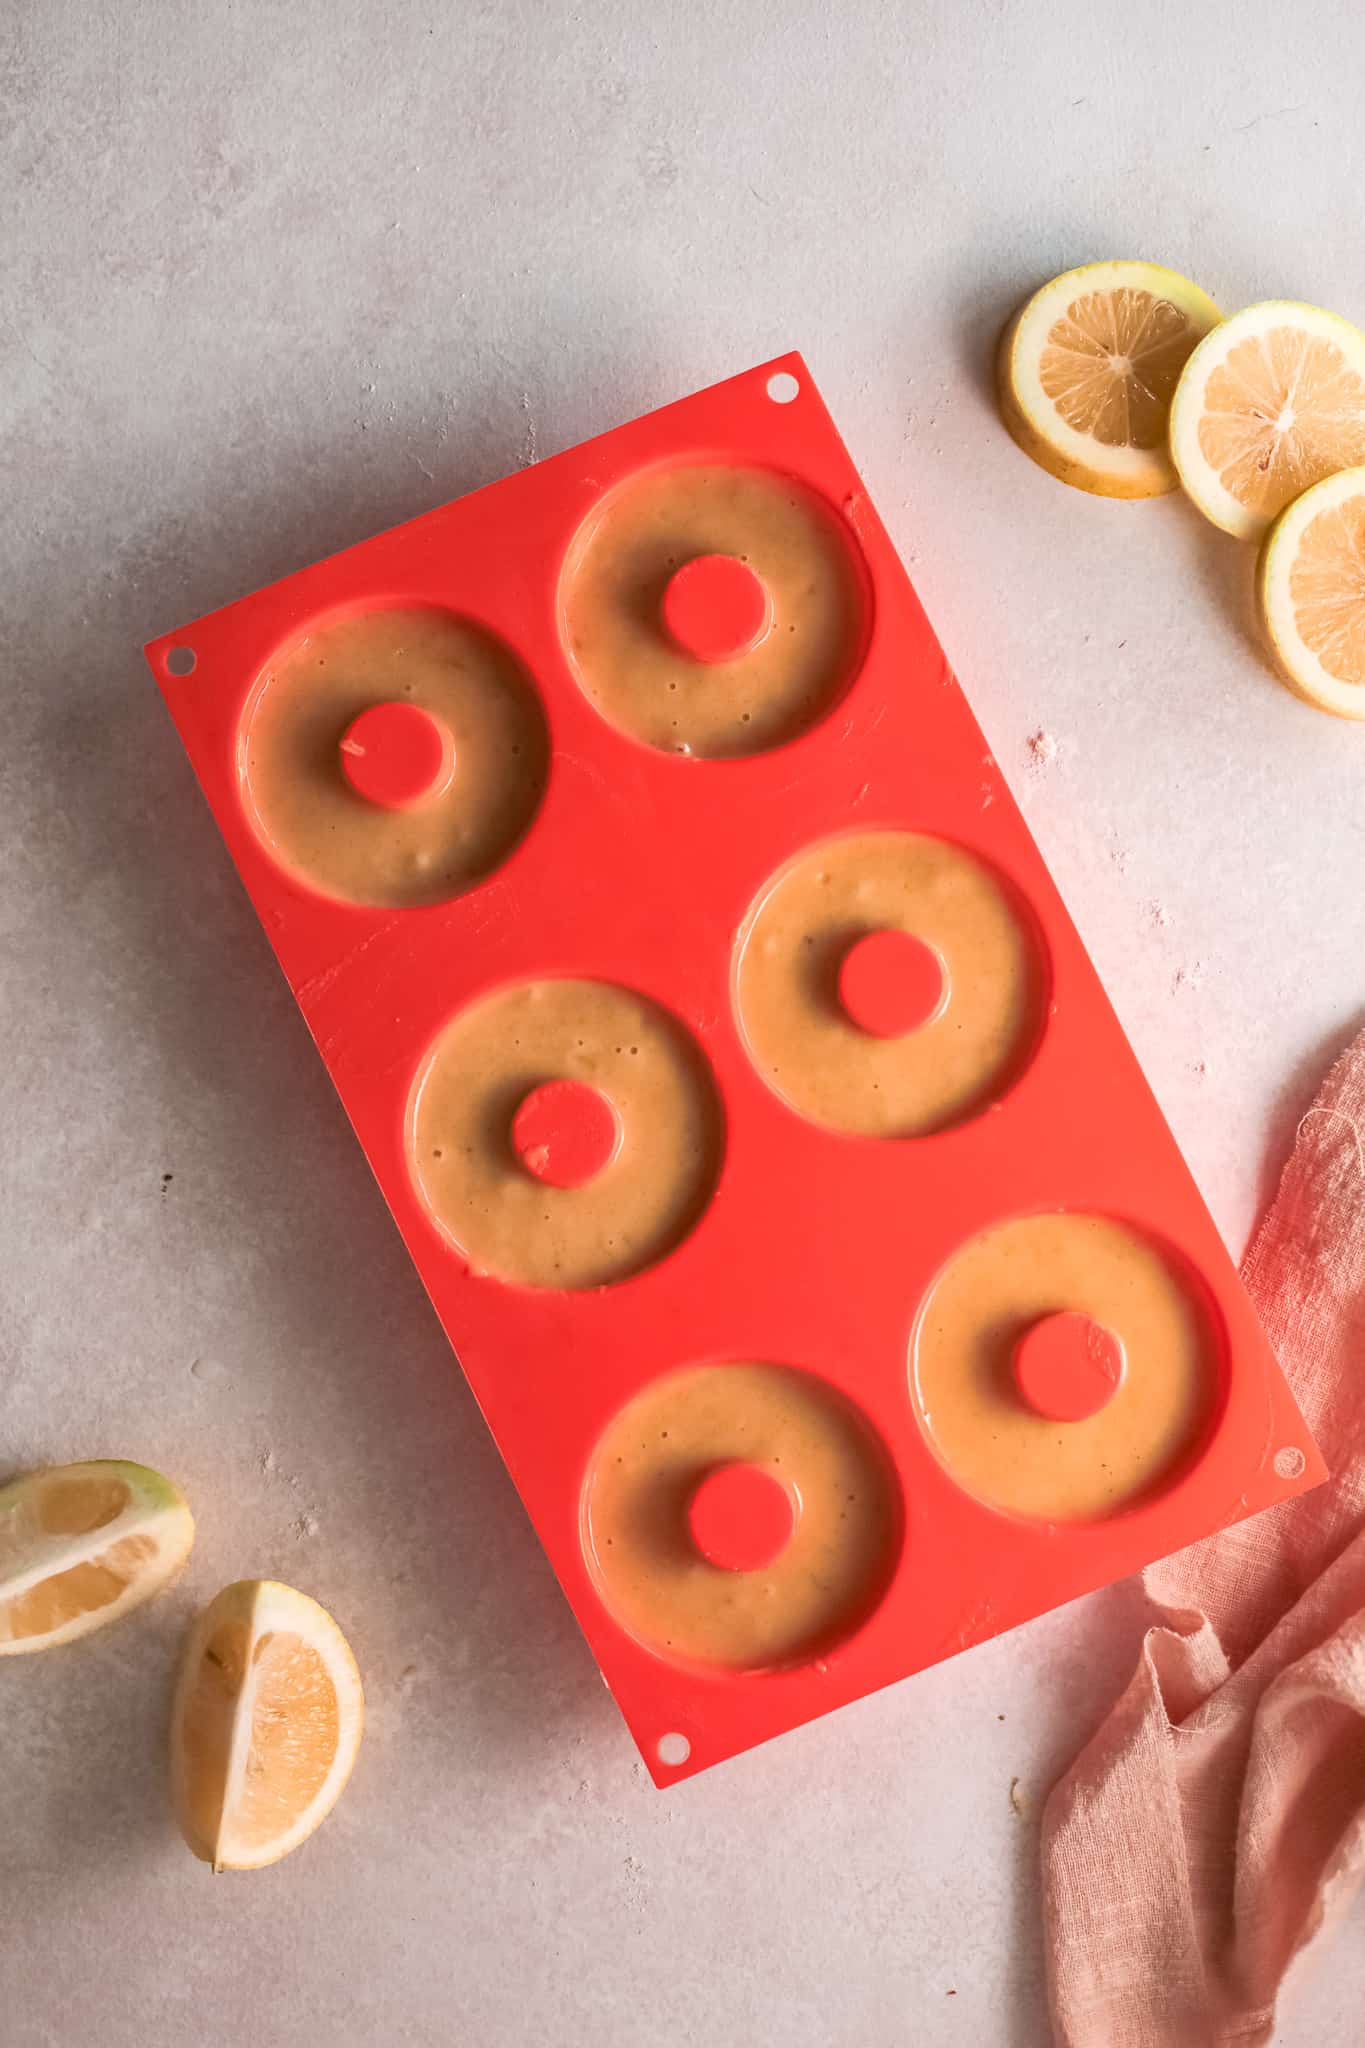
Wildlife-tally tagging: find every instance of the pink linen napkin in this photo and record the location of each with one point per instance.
(1215, 1826)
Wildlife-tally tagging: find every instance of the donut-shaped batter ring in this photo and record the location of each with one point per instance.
(1000, 1286)
(485, 1198)
(645, 1471)
(800, 1035)
(613, 609)
(290, 757)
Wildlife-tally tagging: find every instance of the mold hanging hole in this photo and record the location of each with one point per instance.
(181, 661)
(782, 387)
(673, 1749)
(1289, 1462)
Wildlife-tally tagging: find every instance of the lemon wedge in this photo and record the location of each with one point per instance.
(1086, 370)
(82, 1544)
(1267, 405)
(265, 1726)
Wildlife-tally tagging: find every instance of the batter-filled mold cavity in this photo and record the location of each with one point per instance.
(392, 757)
(742, 1516)
(713, 610)
(1064, 1367)
(564, 1133)
(886, 985)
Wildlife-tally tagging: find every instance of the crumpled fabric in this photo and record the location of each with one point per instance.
(1207, 1838)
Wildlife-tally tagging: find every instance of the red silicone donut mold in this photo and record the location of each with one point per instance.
(636, 867)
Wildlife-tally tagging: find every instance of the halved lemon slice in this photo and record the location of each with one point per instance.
(1312, 592)
(1086, 370)
(1268, 404)
(266, 1724)
(81, 1545)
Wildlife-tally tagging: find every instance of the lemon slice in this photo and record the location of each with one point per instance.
(1086, 370)
(1312, 593)
(1271, 402)
(265, 1727)
(81, 1545)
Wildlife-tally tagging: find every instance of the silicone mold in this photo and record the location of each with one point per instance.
(807, 1249)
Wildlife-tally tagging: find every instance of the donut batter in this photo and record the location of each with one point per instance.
(786, 985)
(650, 1572)
(994, 1290)
(612, 598)
(482, 1196)
(289, 760)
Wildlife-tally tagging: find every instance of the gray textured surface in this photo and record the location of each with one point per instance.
(278, 277)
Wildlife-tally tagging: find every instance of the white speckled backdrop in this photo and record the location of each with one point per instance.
(277, 277)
